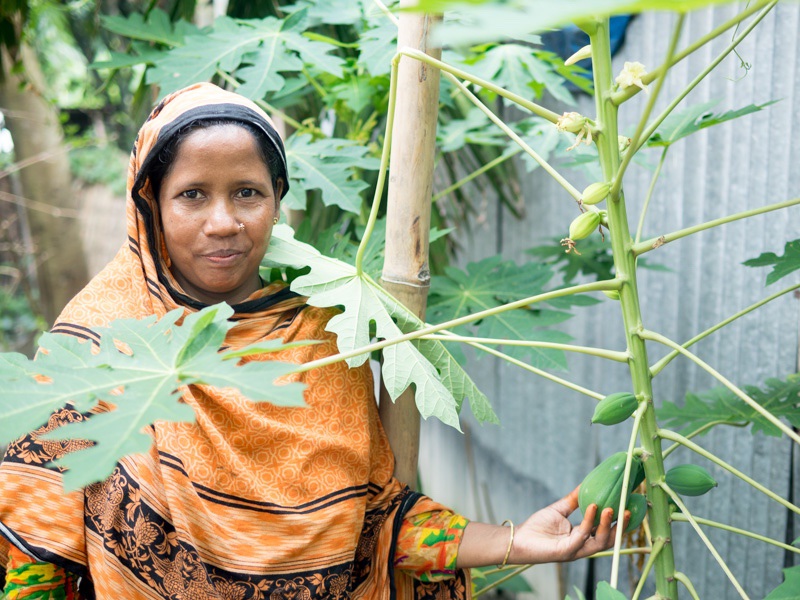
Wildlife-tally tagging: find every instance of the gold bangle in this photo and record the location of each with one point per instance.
(510, 543)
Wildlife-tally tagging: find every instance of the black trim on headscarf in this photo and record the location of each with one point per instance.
(229, 112)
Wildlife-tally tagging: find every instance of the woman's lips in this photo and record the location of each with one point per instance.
(223, 257)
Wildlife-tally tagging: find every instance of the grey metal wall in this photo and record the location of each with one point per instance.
(545, 446)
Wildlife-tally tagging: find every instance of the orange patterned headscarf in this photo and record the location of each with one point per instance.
(251, 501)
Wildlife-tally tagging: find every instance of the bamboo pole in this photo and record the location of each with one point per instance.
(406, 272)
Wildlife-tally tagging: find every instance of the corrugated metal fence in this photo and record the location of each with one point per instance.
(545, 446)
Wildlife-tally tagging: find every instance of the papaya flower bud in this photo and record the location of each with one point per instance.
(613, 294)
(631, 75)
(583, 53)
(575, 123)
(571, 121)
(623, 142)
(595, 193)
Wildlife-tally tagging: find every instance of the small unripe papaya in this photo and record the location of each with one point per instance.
(690, 480)
(584, 224)
(603, 485)
(615, 408)
(595, 193)
(637, 505)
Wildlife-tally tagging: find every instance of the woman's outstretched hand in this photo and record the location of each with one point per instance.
(546, 536)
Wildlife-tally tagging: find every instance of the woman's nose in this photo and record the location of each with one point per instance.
(221, 219)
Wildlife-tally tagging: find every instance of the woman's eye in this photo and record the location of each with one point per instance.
(191, 194)
(247, 193)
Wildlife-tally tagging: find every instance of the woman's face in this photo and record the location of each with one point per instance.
(217, 182)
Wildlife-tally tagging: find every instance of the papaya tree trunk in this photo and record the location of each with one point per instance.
(52, 205)
(406, 272)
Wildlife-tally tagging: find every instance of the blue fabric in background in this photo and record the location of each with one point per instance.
(567, 41)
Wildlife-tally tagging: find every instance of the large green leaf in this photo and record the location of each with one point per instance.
(143, 383)
(489, 284)
(606, 592)
(328, 164)
(790, 588)
(475, 128)
(720, 405)
(485, 20)
(781, 265)
(518, 69)
(258, 51)
(441, 384)
(692, 119)
(377, 47)
(155, 28)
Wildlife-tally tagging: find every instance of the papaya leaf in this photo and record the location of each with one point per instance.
(155, 28)
(790, 588)
(475, 128)
(606, 592)
(377, 47)
(519, 69)
(486, 20)
(578, 594)
(258, 51)
(329, 165)
(143, 383)
(694, 118)
(332, 12)
(720, 405)
(356, 92)
(491, 283)
(441, 384)
(781, 265)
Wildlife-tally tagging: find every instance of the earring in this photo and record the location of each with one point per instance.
(241, 226)
(275, 221)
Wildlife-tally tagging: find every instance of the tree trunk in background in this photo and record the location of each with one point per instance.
(406, 273)
(46, 185)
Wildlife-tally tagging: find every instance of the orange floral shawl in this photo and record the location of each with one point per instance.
(252, 501)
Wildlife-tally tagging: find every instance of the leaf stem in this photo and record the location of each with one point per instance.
(659, 366)
(623, 500)
(700, 430)
(649, 196)
(658, 545)
(649, 335)
(314, 83)
(636, 140)
(571, 189)
(536, 109)
(687, 583)
(540, 372)
(653, 243)
(488, 166)
(677, 500)
(385, 10)
(600, 352)
(628, 93)
(382, 169)
(702, 75)
(676, 437)
(679, 517)
(501, 581)
(608, 284)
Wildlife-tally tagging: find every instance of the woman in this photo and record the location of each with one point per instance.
(252, 500)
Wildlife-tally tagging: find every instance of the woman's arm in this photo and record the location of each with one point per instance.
(29, 579)
(547, 536)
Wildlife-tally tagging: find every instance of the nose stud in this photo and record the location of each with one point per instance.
(241, 226)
